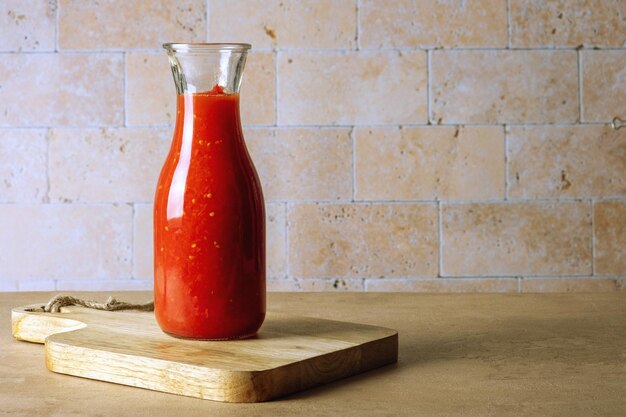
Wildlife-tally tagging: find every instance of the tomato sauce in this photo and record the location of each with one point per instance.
(209, 225)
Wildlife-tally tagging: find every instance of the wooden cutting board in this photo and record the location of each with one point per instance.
(290, 353)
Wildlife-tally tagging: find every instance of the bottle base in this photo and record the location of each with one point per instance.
(212, 339)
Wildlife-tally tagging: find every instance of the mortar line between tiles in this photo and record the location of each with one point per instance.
(580, 86)
(506, 163)
(87, 51)
(102, 126)
(607, 276)
(560, 200)
(343, 51)
(58, 284)
(454, 123)
(429, 72)
(498, 201)
(511, 277)
(508, 24)
(535, 276)
(73, 203)
(78, 52)
(520, 201)
(440, 239)
(450, 278)
(327, 126)
(593, 237)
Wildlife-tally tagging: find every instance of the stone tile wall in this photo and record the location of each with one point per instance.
(403, 145)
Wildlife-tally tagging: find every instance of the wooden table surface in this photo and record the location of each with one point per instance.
(460, 355)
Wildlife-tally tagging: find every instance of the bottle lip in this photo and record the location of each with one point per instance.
(207, 47)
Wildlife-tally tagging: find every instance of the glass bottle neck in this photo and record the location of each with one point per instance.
(207, 68)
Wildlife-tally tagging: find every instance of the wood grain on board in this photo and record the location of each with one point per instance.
(290, 354)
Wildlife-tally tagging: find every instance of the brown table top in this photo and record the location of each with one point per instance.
(460, 355)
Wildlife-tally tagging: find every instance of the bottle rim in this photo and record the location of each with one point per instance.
(207, 47)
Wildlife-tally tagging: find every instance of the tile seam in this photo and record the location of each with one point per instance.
(156, 50)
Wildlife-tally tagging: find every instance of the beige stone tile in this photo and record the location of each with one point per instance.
(281, 285)
(36, 285)
(276, 252)
(444, 285)
(365, 87)
(63, 89)
(118, 24)
(143, 244)
(150, 90)
(432, 23)
(604, 85)
(58, 241)
(151, 95)
(516, 239)
(106, 285)
(537, 23)
(590, 284)
(504, 86)
(330, 284)
(8, 285)
(22, 165)
(315, 284)
(362, 240)
(303, 164)
(570, 285)
(110, 165)
(566, 161)
(27, 26)
(610, 237)
(258, 90)
(143, 256)
(428, 163)
(284, 23)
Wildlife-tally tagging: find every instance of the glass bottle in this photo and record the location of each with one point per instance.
(209, 221)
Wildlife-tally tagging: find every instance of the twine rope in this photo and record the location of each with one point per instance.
(111, 304)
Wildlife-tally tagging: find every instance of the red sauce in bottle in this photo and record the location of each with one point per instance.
(209, 225)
